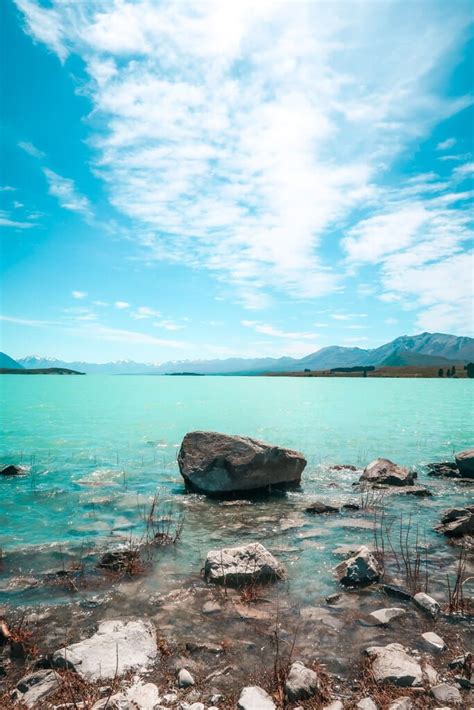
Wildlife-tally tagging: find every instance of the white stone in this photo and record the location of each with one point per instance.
(185, 678)
(445, 693)
(427, 603)
(335, 705)
(401, 704)
(141, 696)
(392, 664)
(433, 641)
(384, 616)
(367, 704)
(35, 687)
(115, 648)
(255, 698)
(236, 566)
(301, 683)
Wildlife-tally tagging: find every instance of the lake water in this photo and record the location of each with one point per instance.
(100, 447)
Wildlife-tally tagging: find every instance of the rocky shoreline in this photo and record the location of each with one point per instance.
(233, 636)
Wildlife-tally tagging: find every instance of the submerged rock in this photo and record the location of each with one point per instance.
(35, 687)
(465, 463)
(392, 664)
(301, 683)
(217, 464)
(385, 472)
(385, 616)
(318, 508)
(238, 566)
(118, 560)
(360, 570)
(12, 470)
(457, 522)
(255, 698)
(444, 468)
(116, 647)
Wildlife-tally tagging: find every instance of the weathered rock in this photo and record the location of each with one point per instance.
(392, 664)
(465, 463)
(216, 464)
(457, 522)
(12, 470)
(433, 642)
(350, 506)
(401, 704)
(463, 661)
(35, 687)
(335, 705)
(429, 605)
(185, 679)
(117, 646)
(418, 491)
(385, 472)
(445, 468)
(301, 683)
(318, 508)
(118, 560)
(445, 693)
(255, 698)
(142, 696)
(367, 704)
(385, 616)
(211, 607)
(360, 570)
(238, 566)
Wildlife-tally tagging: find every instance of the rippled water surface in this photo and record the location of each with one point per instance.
(99, 447)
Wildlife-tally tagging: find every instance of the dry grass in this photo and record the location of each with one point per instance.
(457, 601)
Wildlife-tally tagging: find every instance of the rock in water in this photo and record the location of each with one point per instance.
(116, 647)
(392, 664)
(360, 570)
(427, 604)
(385, 616)
(218, 464)
(465, 463)
(12, 470)
(319, 508)
(238, 566)
(387, 473)
(457, 522)
(301, 683)
(255, 698)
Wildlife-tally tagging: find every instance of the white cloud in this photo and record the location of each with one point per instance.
(143, 312)
(7, 188)
(65, 192)
(238, 136)
(121, 305)
(270, 330)
(31, 149)
(17, 205)
(347, 316)
(5, 221)
(79, 295)
(445, 145)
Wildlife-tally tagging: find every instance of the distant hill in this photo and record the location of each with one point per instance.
(9, 362)
(427, 349)
(39, 371)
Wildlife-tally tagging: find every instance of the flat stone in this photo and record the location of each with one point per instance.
(211, 607)
(35, 687)
(444, 468)
(433, 641)
(429, 605)
(255, 698)
(401, 704)
(302, 682)
(392, 664)
(238, 566)
(217, 464)
(457, 522)
(116, 647)
(143, 696)
(335, 705)
(445, 693)
(385, 616)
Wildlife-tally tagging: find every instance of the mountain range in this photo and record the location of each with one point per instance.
(430, 349)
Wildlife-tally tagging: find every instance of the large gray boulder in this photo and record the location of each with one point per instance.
(386, 473)
(465, 463)
(240, 566)
(116, 647)
(218, 464)
(457, 522)
(360, 570)
(392, 664)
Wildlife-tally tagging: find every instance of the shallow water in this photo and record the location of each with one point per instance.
(98, 449)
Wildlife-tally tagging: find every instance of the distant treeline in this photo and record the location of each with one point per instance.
(357, 368)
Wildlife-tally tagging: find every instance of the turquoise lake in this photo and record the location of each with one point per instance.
(99, 447)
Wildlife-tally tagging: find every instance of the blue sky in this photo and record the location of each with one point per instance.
(183, 180)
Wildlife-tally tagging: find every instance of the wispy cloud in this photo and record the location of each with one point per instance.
(445, 145)
(144, 312)
(270, 330)
(64, 190)
(79, 295)
(121, 305)
(31, 149)
(5, 221)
